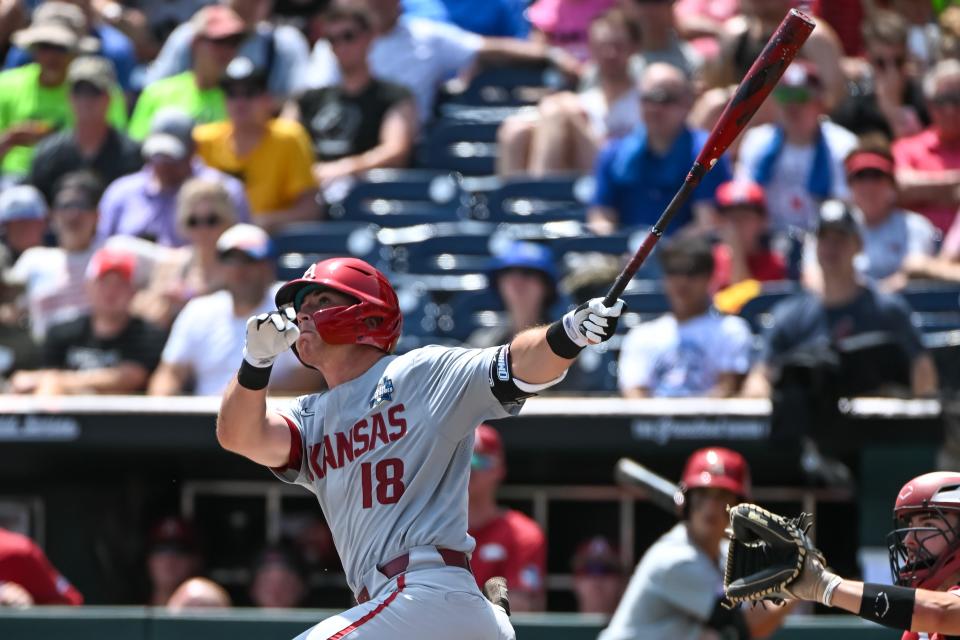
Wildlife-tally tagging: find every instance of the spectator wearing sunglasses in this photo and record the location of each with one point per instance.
(887, 99)
(218, 33)
(508, 543)
(638, 174)
(928, 163)
(143, 204)
(272, 156)
(204, 211)
(91, 143)
(363, 122)
(34, 97)
(798, 159)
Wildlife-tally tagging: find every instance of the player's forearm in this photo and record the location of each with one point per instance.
(240, 423)
(932, 611)
(533, 360)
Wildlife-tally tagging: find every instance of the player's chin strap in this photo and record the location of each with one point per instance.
(508, 389)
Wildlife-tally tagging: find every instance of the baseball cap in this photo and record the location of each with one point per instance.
(799, 83)
(22, 202)
(741, 193)
(171, 135)
(243, 70)
(110, 259)
(95, 70)
(247, 239)
(525, 255)
(866, 161)
(596, 557)
(836, 214)
(217, 21)
(173, 534)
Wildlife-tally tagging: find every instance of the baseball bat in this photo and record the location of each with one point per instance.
(756, 85)
(662, 492)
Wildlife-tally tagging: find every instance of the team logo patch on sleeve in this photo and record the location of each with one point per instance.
(383, 392)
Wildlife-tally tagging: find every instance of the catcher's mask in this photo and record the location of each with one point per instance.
(912, 562)
(348, 324)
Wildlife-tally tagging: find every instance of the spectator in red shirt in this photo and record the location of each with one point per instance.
(928, 164)
(27, 577)
(742, 253)
(509, 544)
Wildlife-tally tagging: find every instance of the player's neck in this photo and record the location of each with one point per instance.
(341, 365)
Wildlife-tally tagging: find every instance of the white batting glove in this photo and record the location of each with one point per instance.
(592, 322)
(269, 335)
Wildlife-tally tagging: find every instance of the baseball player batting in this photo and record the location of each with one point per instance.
(387, 448)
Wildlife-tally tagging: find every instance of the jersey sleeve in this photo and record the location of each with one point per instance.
(458, 391)
(295, 471)
(33, 571)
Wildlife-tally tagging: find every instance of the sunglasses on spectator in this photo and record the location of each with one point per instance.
(481, 462)
(203, 220)
(228, 41)
(660, 96)
(236, 257)
(871, 174)
(888, 63)
(50, 47)
(347, 36)
(86, 89)
(947, 99)
(243, 90)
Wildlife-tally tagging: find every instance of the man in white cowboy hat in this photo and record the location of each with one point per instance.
(34, 98)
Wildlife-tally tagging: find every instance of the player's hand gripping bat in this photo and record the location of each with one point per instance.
(659, 490)
(760, 80)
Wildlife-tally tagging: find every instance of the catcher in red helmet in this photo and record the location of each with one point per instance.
(677, 589)
(387, 448)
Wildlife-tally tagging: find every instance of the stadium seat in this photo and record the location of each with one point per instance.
(299, 245)
(505, 86)
(458, 248)
(465, 147)
(932, 296)
(526, 200)
(396, 198)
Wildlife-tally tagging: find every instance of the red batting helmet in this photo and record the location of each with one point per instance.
(716, 467)
(346, 324)
(912, 564)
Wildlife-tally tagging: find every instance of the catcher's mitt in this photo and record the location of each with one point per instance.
(768, 554)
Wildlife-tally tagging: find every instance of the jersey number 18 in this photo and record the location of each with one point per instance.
(389, 476)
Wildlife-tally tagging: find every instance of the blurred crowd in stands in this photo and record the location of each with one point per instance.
(164, 164)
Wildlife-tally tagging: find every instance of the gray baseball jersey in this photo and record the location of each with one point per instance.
(671, 594)
(388, 453)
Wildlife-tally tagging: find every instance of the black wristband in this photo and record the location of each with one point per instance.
(253, 378)
(888, 605)
(560, 343)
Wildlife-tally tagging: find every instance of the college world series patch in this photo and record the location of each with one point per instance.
(383, 392)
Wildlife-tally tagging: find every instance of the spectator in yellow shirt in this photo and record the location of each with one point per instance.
(272, 157)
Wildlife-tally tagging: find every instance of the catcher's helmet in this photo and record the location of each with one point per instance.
(346, 324)
(719, 468)
(912, 564)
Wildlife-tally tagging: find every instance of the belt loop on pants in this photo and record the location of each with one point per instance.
(399, 565)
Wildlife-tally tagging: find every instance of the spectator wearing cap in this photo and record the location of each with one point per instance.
(143, 204)
(273, 157)
(28, 578)
(525, 278)
(281, 50)
(844, 309)
(204, 212)
(279, 580)
(218, 32)
(200, 354)
(508, 543)
(638, 175)
(928, 163)
(198, 593)
(173, 556)
(693, 350)
(798, 159)
(23, 219)
(363, 122)
(91, 143)
(890, 235)
(566, 131)
(887, 99)
(34, 97)
(53, 277)
(423, 54)
(110, 42)
(743, 252)
(107, 351)
(598, 576)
